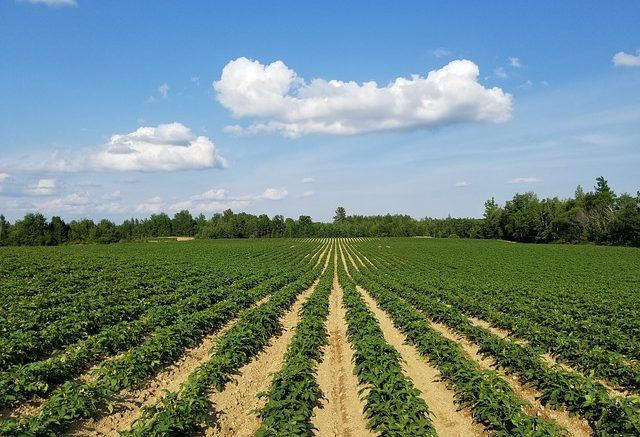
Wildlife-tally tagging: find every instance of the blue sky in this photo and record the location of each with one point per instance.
(109, 109)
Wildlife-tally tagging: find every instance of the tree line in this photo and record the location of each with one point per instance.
(600, 216)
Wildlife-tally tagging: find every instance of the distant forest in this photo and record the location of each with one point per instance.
(600, 216)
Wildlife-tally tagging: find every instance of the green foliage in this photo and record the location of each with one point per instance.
(185, 412)
(164, 326)
(393, 405)
(447, 282)
(294, 391)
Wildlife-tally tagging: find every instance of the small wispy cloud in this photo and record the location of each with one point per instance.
(462, 184)
(622, 59)
(44, 187)
(501, 73)
(526, 180)
(515, 62)
(195, 80)
(308, 180)
(52, 3)
(440, 52)
(164, 90)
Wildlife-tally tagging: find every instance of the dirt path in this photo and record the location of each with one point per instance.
(576, 426)
(128, 404)
(549, 359)
(448, 420)
(350, 255)
(341, 410)
(235, 406)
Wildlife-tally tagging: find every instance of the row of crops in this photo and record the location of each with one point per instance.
(82, 324)
(195, 296)
(408, 279)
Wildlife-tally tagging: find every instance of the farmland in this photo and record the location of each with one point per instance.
(336, 337)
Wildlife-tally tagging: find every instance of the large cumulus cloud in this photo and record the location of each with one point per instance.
(282, 101)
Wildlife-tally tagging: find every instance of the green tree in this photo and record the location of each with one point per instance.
(183, 224)
(277, 226)
(83, 231)
(4, 231)
(31, 230)
(341, 215)
(491, 226)
(304, 226)
(106, 232)
(264, 226)
(522, 217)
(159, 225)
(58, 231)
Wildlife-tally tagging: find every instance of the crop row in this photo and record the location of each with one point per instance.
(393, 404)
(489, 397)
(294, 391)
(571, 290)
(579, 394)
(20, 382)
(23, 381)
(23, 345)
(566, 347)
(73, 400)
(184, 412)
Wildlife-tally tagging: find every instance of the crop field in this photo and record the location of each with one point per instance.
(328, 337)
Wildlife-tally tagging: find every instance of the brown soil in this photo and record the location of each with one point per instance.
(447, 418)
(128, 404)
(341, 413)
(548, 358)
(575, 425)
(235, 406)
(25, 409)
(351, 260)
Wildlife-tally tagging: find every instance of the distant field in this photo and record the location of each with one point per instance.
(179, 339)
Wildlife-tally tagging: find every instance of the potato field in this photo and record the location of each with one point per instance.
(327, 337)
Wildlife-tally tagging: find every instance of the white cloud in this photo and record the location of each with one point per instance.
(501, 73)
(440, 52)
(195, 80)
(219, 194)
(215, 200)
(308, 194)
(308, 180)
(599, 138)
(4, 178)
(74, 203)
(622, 59)
(213, 194)
(526, 85)
(207, 207)
(155, 205)
(52, 3)
(166, 147)
(527, 180)
(462, 184)
(116, 195)
(515, 62)
(164, 90)
(289, 105)
(274, 194)
(44, 187)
